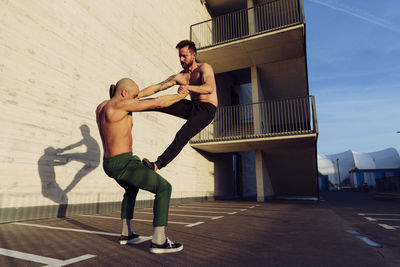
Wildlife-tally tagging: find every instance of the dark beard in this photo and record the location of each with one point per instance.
(186, 66)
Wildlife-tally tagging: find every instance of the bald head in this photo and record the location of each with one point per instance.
(124, 84)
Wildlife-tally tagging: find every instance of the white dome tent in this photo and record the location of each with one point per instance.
(357, 168)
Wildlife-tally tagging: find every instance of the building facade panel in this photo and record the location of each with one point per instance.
(58, 60)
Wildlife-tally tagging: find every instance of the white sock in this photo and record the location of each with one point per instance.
(126, 227)
(158, 235)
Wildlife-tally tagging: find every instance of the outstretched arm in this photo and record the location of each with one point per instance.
(72, 146)
(135, 105)
(208, 81)
(155, 88)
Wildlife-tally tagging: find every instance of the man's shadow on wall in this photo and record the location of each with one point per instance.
(52, 157)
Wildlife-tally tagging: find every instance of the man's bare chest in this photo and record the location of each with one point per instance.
(194, 78)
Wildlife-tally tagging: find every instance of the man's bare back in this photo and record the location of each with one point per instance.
(114, 117)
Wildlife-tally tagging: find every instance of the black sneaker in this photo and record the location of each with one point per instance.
(132, 239)
(167, 247)
(148, 164)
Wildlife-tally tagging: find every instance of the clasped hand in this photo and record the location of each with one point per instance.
(183, 90)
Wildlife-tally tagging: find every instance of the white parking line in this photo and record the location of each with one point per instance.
(381, 219)
(388, 226)
(378, 214)
(142, 220)
(193, 224)
(194, 207)
(66, 229)
(205, 211)
(185, 215)
(143, 238)
(41, 259)
(219, 206)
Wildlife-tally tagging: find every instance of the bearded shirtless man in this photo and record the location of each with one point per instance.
(114, 120)
(199, 80)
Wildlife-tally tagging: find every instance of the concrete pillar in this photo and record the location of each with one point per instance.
(250, 3)
(264, 186)
(257, 94)
(252, 27)
(256, 85)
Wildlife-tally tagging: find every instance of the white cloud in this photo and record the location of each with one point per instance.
(358, 13)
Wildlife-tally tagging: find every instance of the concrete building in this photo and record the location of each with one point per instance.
(265, 132)
(59, 58)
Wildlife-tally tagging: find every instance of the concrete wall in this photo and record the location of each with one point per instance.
(58, 59)
(224, 177)
(228, 83)
(292, 167)
(225, 84)
(249, 174)
(284, 79)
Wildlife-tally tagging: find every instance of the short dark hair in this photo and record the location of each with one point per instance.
(189, 43)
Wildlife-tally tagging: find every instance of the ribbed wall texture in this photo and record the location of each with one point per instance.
(58, 59)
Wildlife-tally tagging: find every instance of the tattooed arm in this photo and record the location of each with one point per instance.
(155, 88)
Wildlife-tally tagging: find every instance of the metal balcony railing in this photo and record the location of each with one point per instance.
(259, 19)
(282, 117)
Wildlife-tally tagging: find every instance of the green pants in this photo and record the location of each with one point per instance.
(132, 175)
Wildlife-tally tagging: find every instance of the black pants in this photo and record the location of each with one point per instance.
(198, 116)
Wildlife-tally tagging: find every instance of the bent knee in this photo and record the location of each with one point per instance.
(168, 187)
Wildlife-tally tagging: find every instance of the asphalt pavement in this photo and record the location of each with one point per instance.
(221, 233)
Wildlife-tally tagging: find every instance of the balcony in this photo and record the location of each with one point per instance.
(258, 125)
(248, 22)
(265, 33)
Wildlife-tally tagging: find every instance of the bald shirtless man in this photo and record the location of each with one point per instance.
(114, 119)
(199, 80)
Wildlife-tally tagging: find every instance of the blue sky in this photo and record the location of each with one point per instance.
(353, 56)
